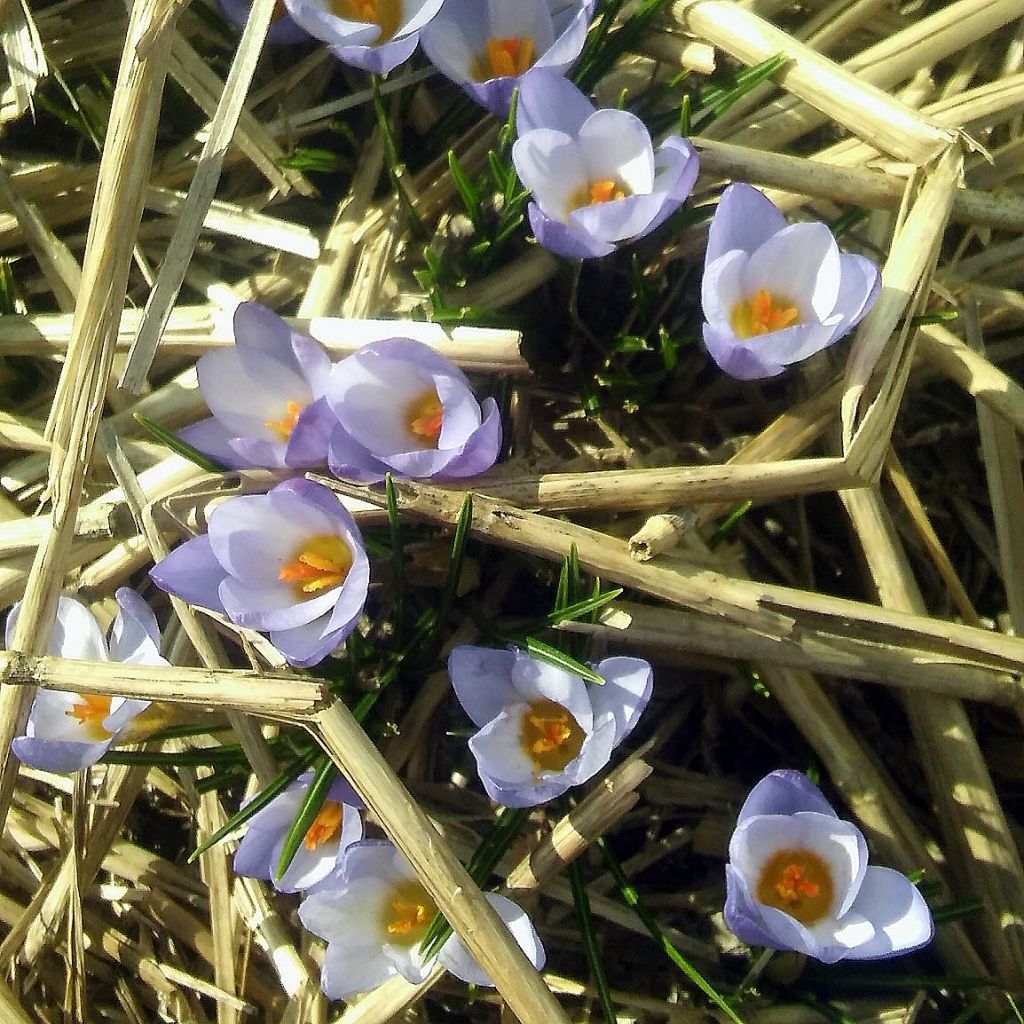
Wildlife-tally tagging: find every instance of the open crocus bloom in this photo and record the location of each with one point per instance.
(775, 293)
(375, 35)
(259, 391)
(798, 878)
(337, 826)
(68, 731)
(290, 562)
(376, 918)
(402, 407)
(282, 29)
(486, 46)
(596, 178)
(542, 729)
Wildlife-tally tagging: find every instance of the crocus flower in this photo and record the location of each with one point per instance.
(375, 35)
(542, 729)
(290, 562)
(259, 391)
(404, 408)
(337, 826)
(798, 878)
(596, 178)
(282, 29)
(68, 731)
(486, 46)
(376, 918)
(775, 293)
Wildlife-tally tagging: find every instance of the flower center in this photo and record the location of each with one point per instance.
(762, 314)
(407, 913)
(423, 418)
(598, 192)
(286, 424)
(90, 710)
(321, 563)
(504, 58)
(798, 882)
(549, 735)
(326, 825)
(385, 13)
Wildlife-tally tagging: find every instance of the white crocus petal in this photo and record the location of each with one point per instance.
(349, 914)
(534, 679)
(745, 220)
(498, 747)
(134, 634)
(122, 711)
(722, 290)
(627, 689)
(76, 633)
(897, 910)
(801, 265)
(530, 18)
(481, 678)
(454, 956)
(847, 932)
(351, 968)
(551, 165)
(416, 14)
(594, 755)
(616, 145)
(51, 718)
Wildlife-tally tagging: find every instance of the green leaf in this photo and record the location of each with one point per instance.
(455, 562)
(310, 808)
(468, 192)
(717, 99)
(576, 610)
(728, 524)
(175, 444)
(303, 158)
(8, 296)
(553, 656)
(581, 901)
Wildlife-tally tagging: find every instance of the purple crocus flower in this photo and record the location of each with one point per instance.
(68, 731)
(542, 729)
(596, 178)
(376, 918)
(402, 407)
(775, 293)
(290, 562)
(798, 878)
(375, 35)
(320, 855)
(282, 29)
(259, 391)
(486, 46)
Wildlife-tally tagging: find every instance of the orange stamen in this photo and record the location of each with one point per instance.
(407, 913)
(385, 13)
(505, 58)
(286, 424)
(91, 710)
(326, 825)
(550, 736)
(762, 314)
(597, 192)
(321, 563)
(424, 416)
(798, 882)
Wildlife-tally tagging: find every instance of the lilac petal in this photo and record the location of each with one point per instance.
(481, 449)
(274, 606)
(253, 856)
(745, 220)
(454, 956)
(900, 916)
(494, 95)
(594, 755)
(319, 22)
(212, 438)
(619, 219)
(378, 60)
(530, 18)
(376, 859)
(552, 166)
(742, 915)
(627, 689)
(342, 792)
(256, 451)
(738, 359)
(311, 436)
(57, 755)
(75, 634)
(721, 291)
(784, 792)
(676, 170)
(548, 99)
(454, 40)
(460, 412)
(481, 679)
(498, 749)
(569, 41)
(353, 967)
(526, 794)
(135, 635)
(314, 362)
(282, 32)
(349, 460)
(564, 239)
(534, 679)
(617, 144)
(192, 572)
(259, 329)
(793, 344)
(859, 286)
(307, 644)
(418, 14)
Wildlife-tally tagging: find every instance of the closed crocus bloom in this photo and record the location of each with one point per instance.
(282, 29)
(775, 293)
(402, 407)
(259, 391)
(375, 35)
(486, 46)
(596, 178)
(376, 918)
(290, 562)
(544, 730)
(320, 854)
(798, 878)
(68, 731)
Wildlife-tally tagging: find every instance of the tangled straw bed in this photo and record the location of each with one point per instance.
(783, 547)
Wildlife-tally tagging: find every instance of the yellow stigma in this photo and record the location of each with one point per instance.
(762, 314)
(385, 13)
(326, 825)
(286, 424)
(798, 882)
(90, 710)
(598, 192)
(504, 58)
(423, 418)
(550, 736)
(321, 563)
(407, 913)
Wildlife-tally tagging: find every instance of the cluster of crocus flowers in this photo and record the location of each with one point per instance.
(776, 293)
(486, 46)
(67, 731)
(543, 730)
(319, 857)
(595, 177)
(376, 917)
(289, 562)
(798, 878)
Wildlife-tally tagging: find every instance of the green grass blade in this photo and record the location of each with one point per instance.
(176, 445)
(455, 562)
(581, 901)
